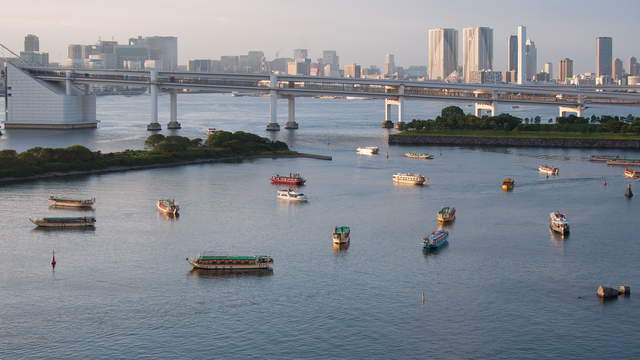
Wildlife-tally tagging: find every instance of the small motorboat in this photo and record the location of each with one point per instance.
(558, 223)
(409, 179)
(508, 184)
(367, 150)
(341, 235)
(65, 222)
(630, 173)
(418, 155)
(168, 206)
(68, 202)
(446, 215)
(435, 240)
(291, 195)
(292, 179)
(549, 170)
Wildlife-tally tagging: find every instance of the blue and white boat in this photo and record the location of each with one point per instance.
(436, 240)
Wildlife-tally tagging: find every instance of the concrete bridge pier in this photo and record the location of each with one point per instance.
(273, 124)
(564, 110)
(67, 83)
(291, 121)
(154, 125)
(173, 119)
(387, 123)
(400, 123)
(488, 107)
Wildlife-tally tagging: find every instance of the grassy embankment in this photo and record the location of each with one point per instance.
(161, 150)
(523, 134)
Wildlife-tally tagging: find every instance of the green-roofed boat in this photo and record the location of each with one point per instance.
(62, 222)
(209, 261)
(168, 206)
(341, 235)
(446, 215)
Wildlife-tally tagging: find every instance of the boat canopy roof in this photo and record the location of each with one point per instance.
(341, 229)
(70, 218)
(226, 257)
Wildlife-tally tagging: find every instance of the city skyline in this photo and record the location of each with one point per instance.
(364, 45)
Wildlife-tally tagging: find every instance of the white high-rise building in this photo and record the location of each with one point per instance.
(389, 64)
(532, 59)
(443, 53)
(522, 56)
(477, 45)
(331, 58)
(548, 68)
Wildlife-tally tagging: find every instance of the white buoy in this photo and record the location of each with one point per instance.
(422, 296)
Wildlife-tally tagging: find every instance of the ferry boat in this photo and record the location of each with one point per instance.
(435, 240)
(168, 206)
(67, 202)
(210, 131)
(209, 261)
(507, 184)
(367, 150)
(630, 173)
(341, 235)
(558, 222)
(292, 179)
(446, 214)
(291, 195)
(418, 155)
(548, 170)
(603, 157)
(408, 178)
(62, 222)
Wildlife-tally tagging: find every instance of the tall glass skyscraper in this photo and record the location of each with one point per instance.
(443, 53)
(477, 45)
(604, 56)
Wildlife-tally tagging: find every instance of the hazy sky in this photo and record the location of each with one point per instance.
(361, 31)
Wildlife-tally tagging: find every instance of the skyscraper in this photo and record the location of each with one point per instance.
(162, 49)
(477, 45)
(632, 66)
(31, 43)
(616, 69)
(512, 53)
(604, 56)
(443, 53)
(532, 59)
(300, 54)
(389, 65)
(548, 68)
(331, 58)
(522, 56)
(565, 69)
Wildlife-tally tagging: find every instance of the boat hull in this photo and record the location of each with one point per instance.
(48, 224)
(507, 187)
(341, 240)
(71, 203)
(227, 267)
(559, 230)
(446, 219)
(437, 245)
(167, 210)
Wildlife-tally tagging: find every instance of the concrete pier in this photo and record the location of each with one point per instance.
(154, 125)
(173, 119)
(387, 123)
(291, 121)
(273, 124)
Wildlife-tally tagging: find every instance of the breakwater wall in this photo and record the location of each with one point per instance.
(512, 141)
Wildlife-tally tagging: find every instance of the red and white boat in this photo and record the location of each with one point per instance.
(168, 206)
(548, 170)
(67, 202)
(291, 179)
(630, 173)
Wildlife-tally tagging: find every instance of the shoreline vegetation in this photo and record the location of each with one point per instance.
(453, 127)
(222, 146)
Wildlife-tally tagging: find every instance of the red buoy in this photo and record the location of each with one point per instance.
(53, 260)
(605, 181)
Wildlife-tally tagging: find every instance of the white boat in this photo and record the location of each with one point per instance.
(357, 98)
(410, 179)
(558, 223)
(210, 131)
(367, 150)
(549, 170)
(291, 195)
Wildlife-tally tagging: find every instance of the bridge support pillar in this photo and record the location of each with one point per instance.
(291, 121)
(173, 119)
(489, 107)
(400, 123)
(387, 123)
(564, 110)
(154, 125)
(273, 124)
(67, 83)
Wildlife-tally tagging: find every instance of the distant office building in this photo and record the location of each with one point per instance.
(522, 55)
(417, 72)
(443, 53)
(510, 76)
(548, 68)
(532, 59)
(330, 57)
(131, 57)
(633, 80)
(74, 51)
(352, 71)
(389, 65)
(300, 54)
(478, 50)
(230, 64)
(31, 43)
(542, 76)
(604, 56)
(163, 49)
(617, 70)
(485, 77)
(512, 53)
(299, 67)
(565, 70)
(254, 61)
(280, 65)
(200, 65)
(36, 58)
(633, 67)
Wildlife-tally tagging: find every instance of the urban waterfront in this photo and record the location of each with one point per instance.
(505, 287)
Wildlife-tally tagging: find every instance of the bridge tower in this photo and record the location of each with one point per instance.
(173, 107)
(273, 124)
(291, 121)
(399, 102)
(154, 125)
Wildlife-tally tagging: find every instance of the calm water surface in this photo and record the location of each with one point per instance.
(505, 287)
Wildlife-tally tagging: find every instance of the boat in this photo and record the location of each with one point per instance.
(558, 222)
(418, 155)
(291, 195)
(435, 240)
(408, 178)
(67, 202)
(210, 131)
(292, 179)
(367, 150)
(624, 162)
(548, 170)
(168, 206)
(446, 214)
(341, 235)
(62, 222)
(515, 106)
(630, 173)
(357, 98)
(210, 261)
(603, 158)
(507, 184)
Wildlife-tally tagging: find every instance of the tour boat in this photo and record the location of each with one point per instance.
(435, 240)
(446, 214)
(211, 131)
(630, 173)
(208, 261)
(411, 179)
(624, 162)
(62, 201)
(418, 155)
(292, 179)
(291, 195)
(558, 222)
(507, 184)
(341, 235)
(549, 170)
(61, 222)
(367, 150)
(604, 157)
(168, 206)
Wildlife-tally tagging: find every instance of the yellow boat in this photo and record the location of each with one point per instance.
(507, 184)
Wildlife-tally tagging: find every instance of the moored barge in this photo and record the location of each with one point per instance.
(210, 261)
(63, 222)
(68, 202)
